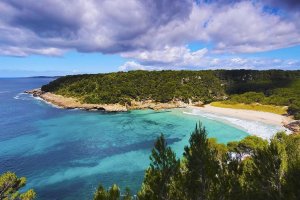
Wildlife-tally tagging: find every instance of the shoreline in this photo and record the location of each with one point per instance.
(72, 103)
(259, 116)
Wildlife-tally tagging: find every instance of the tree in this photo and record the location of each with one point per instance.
(112, 194)
(268, 175)
(292, 146)
(127, 195)
(247, 146)
(164, 165)
(101, 193)
(202, 166)
(10, 185)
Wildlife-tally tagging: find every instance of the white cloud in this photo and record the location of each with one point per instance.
(207, 62)
(151, 25)
(131, 65)
(176, 56)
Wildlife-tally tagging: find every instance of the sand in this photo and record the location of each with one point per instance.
(264, 117)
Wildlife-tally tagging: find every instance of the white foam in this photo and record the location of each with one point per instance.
(257, 128)
(26, 97)
(22, 96)
(46, 102)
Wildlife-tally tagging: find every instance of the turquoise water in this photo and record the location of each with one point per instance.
(65, 153)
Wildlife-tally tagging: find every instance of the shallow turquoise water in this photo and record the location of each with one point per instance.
(65, 153)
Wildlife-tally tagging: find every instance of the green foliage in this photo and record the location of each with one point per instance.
(127, 195)
(247, 146)
(161, 86)
(274, 87)
(163, 167)
(269, 170)
(112, 194)
(10, 185)
(201, 164)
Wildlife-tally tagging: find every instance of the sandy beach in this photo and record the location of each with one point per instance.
(254, 116)
(264, 117)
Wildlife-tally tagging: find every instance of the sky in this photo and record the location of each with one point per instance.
(59, 37)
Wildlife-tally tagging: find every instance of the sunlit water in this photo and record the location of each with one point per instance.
(65, 153)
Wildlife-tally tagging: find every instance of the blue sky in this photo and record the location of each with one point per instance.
(72, 62)
(54, 37)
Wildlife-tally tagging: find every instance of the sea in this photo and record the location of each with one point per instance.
(66, 154)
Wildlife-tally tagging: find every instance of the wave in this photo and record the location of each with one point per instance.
(257, 128)
(2, 92)
(22, 96)
(46, 102)
(28, 97)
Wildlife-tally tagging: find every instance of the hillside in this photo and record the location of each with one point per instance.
(271, 87)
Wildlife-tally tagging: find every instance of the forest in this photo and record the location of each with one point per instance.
(269, 87)
(252, 168)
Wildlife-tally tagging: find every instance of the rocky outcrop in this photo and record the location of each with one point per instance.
(35, 92)
(293, 126)
(72, 103)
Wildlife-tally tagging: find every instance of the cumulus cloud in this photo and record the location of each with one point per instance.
(51, 27)
(208, 62)
(179, 56)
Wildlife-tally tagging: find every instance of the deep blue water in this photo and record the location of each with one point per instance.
(64, 154)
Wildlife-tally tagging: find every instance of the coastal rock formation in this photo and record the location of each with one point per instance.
(294, 126)
(72, 103)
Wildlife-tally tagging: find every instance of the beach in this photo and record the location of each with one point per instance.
(246, 119)
(264, 117)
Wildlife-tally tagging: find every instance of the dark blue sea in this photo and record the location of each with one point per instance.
(65, 154)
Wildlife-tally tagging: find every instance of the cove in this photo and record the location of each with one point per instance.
(64, 154)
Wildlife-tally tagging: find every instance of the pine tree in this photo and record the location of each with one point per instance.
(164, 165)
(270, 166)
(10, 185)
(202, 166)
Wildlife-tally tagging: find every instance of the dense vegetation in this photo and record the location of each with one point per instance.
(10, 185)
(250, 169)
(274, 87)
(140, 85)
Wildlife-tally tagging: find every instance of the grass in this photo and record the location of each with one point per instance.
(257, 107)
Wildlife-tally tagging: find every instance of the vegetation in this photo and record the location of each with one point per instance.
(272, 87)
(252, 168)
(251, 106)
(122, 87)
(10, 185)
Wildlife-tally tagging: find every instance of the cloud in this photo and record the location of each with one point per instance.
(245, 28)
(51, 27)
(179, 56)
(208, 62)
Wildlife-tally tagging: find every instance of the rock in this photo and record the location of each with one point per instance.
(35, 92)
(293, 126)
(72, 103)
(198, 104)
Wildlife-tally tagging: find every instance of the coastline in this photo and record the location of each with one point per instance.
(258, 116)
(72, 103)
(264, 117)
